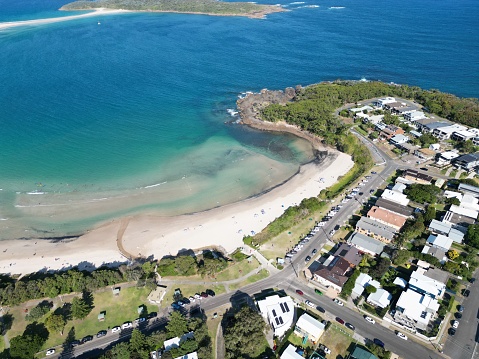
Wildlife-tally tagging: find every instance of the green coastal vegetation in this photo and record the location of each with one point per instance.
(212, 7)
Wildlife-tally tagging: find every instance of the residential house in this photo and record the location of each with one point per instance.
(389, 218)
(381, 298)
(193, 355)
(361, 282)
(446, 229)
(366, 244)
(463, 135)
(308, 327)
(445, 158)
(407, 147)
(413, 115)
(422, 283)
(375, 119)
(375, 229)
(421, 122)
(464, 211)
(333, 275)
(468, 189)
(380, 102)
(445, 132)
(399, 110)
(440, 241)
(176, 341)
(417, 177)
(396, 197)
(415, 133)
(425, 154)
(435, 146)
(361, 353)
(415, 310)
(390, 131)
(361, 109)
(278, 312)
(461, 222)
(398, 187)
(470, 202)
(291, 353)
(349, 253)
(467, 162)
(430, 127)
(400, 282)
(398, 140)
(397, 208)
(435, 252)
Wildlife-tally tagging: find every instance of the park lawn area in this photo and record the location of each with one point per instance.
(337, 340)
(119, 309)
(262, 274)
(238, 269)
(188, 290)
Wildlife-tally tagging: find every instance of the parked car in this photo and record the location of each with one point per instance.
(371, 191)
(325, 349)
(472, 280)
(314, 251)
(300, 292)
(307, 259)
(331, 233)
(373, 172)
(175, 306)
(460, 308)
(339, 320)
(455, 324)
(86, 339)
(320, 309)
(350, 326)
(153, 314)
(401, 335)
(458, 315)
(197, 296)
(139, 320)
(338, 302)
(424, 169)
(50, 352)
(466, 292)
(378, 342)
(115, 329)
(309, 304)
(317, 291)
(126, 325)
(370, 320)
(101, 333)
(75, 343)
(210, 292)
(451, 331)
(336, 227)
(204, 295)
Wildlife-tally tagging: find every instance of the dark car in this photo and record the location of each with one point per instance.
(350, 326)
(424, 169)
(210, 292)
(378, 342)
(451, 331)
(339, 320)
(336, 227)
(204, 295)
(458, 315)
(472, 280)
(373, 172)
(320, 309)
(361, 193)
(88, 338)
(314, 251)
(466, 292)
(75, 343)
(152, 315)
(186, 300)
(460, 308)
(371, 191)
(307, 259)
(300, 292)
(101, 333)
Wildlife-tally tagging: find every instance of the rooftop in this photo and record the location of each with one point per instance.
(193, 355)
(426, 284)
(389, 217)
(395, 197)
(417, 175)
(435, 125)
(466, 188)
(449, 155)
(417, 306)
(471, 213)
(350, 253)
(440, 241)
(360, 353)
(457, 219)
(176, 341)
(367, 243)
(380, 229)
(380, 298)
(290, 353)
(310, 325)
(279, 312)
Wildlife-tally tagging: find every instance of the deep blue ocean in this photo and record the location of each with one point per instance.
(102, 107)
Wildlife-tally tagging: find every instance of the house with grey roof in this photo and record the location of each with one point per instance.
(397, 208)
(447, 229)
(375, 229)
(430, 127)
(349, 253)
(468, 189)
(381, 298)
(467, 162)
(366, 244)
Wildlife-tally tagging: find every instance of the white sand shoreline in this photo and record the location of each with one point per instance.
(151, 235)
(95, 12)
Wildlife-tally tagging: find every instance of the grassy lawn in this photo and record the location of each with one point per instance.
(238, 269)
(337, 340)
(263, 273)
(188, 290)
(119, 309)
(212, 325)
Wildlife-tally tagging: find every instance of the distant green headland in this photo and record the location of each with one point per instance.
(208, 7)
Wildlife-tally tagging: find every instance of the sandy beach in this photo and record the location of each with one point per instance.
(148, 235)
(96, 12)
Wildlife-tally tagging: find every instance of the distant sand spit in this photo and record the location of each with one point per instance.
(157, 236)
(96, 12)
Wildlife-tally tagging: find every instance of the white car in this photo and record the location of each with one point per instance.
(331, 233)
(50, 352)
(115, 329)
(401, 335)
(455, 324)
(370, 320)
(192, 299)
(197, 296)
(365, 180)
(309, 304)
(126, 325)
(321, 224)
(338, 302)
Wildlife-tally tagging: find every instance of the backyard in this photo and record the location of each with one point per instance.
(338, 340)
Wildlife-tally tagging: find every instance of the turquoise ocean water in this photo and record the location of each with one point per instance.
(130, 114)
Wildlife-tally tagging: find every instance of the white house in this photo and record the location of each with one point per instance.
(446, 157)
(278, 312)
(462, 211)
(426, 285)
(444, 133)
(381, 298)
(398, 140)
(290, 353)
(380, 102)
(308, 327)
(435, 146)
(462, 135)
(415, 310)
(176, 341)
(413, 115)
(395, 197)
(440, 241)
(361, 282)
(193, 355)
(361, 109)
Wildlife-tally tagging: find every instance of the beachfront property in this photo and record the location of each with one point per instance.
(278, 312)
(417, 177)
(467, 162)
(445, 158)
(396, 197)
(444, 133)
(375, 230)
(387, 217)
(380, 102)
(309, 328)
(333, 272)
(366, 244)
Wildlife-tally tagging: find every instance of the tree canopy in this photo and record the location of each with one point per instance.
(422, 193)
